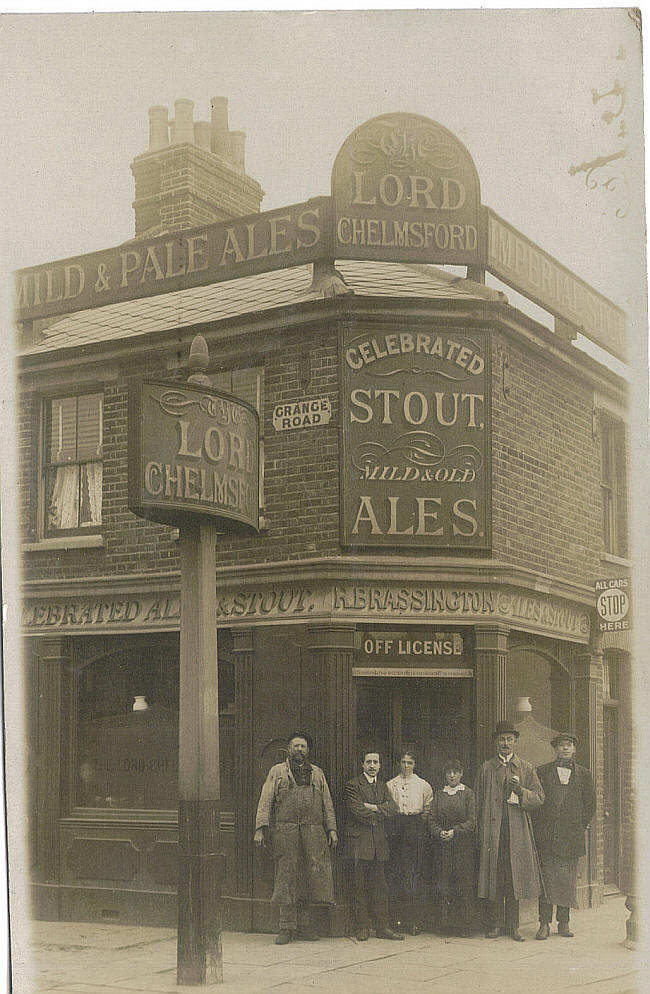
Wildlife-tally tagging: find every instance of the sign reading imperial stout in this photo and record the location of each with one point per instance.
(415, 414)
(405, 187)
(193, 451)
(531, 271)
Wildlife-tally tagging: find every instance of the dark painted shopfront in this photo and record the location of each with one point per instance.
(442, 481)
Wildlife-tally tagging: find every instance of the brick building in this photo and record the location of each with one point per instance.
(442, 482)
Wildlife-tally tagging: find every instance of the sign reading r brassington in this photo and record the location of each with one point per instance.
(193, 452)
(403, 184)
(415, 423)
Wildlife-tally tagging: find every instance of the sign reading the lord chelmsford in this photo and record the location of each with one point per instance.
(415, 413)
(193, 452)
(405, 187)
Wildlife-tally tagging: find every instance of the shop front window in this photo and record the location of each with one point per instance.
(126, 730)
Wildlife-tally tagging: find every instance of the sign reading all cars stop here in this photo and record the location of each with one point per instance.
(613, 604)
(415, 413)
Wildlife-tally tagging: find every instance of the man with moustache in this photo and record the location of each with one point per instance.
(507, 789)
(559, 825)
(296, 810)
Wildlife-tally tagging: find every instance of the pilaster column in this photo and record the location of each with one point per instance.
(53, 656)
(244, 788)
(490, 681)
(589, 729)
(332, 653)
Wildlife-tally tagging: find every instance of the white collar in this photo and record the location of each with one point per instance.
(370, 779)
(453, 790)
(506, 759)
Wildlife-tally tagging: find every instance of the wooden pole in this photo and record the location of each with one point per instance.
(201, 866)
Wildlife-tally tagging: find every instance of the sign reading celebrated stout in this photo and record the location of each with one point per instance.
(405, 187)
(193, 451)
(415, 423)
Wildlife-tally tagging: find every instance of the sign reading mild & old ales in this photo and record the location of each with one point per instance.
(416, 435)
(403, 184)
(193, 451)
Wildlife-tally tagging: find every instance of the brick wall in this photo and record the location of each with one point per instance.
(545, 467)
(546, 497)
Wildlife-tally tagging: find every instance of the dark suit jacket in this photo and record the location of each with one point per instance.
(560, 827)
(364, 836)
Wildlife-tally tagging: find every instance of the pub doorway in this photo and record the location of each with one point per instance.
(431, 716)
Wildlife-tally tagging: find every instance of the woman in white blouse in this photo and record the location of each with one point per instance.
(407, 839)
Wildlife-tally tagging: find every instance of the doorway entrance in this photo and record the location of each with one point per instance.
(433, 717)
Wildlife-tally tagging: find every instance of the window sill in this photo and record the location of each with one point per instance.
(607, 557)
(70, 542)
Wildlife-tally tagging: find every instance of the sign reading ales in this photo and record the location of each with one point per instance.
(415, 413)
(405, 187)
(193, 451)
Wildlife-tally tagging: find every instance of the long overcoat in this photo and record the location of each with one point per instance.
(364, 835)
(490, 792)
(560, 823)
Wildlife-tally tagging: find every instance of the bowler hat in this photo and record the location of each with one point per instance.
(505, 728)
(564, 735)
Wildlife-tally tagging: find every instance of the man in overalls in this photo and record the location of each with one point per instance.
(296, 809)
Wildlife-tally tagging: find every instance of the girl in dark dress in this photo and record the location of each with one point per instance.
(452, 821)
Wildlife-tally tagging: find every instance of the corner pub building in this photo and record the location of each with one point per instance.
(442, 484)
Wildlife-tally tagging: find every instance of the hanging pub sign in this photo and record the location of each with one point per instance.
(406, 188)
(415, 439)
(193, 452)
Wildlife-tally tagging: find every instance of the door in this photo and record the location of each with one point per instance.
(611, 793)
(431, 717)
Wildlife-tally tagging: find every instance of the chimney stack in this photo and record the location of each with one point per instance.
(193, 172)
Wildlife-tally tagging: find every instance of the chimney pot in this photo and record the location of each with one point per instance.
(202, 134)
(158, 128)
(237, 143)
(183, 127)
(220, 133)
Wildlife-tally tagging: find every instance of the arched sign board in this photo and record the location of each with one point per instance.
(405, 187)
(193, 454)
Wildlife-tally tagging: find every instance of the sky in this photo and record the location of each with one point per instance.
(514, 86)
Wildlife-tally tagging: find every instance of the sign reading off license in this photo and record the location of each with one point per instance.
(302, 414)
(193, 451)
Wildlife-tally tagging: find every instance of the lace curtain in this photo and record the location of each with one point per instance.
(71, 505)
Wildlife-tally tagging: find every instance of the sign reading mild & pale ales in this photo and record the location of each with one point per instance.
(416, 434)
(193, 451)
(405, 187)
(242, 246)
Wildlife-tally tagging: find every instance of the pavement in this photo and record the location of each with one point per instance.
(81, 958)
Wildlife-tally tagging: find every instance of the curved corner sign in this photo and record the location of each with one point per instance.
(193, 452)
(402, 183)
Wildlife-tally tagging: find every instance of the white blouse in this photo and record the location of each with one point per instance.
(412, 795)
